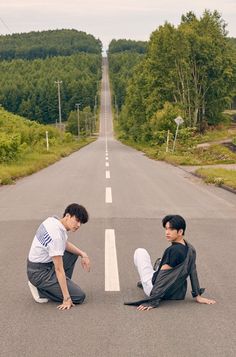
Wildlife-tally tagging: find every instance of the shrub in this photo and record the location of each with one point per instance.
(160, 137)
(9, 147)
(164, 119)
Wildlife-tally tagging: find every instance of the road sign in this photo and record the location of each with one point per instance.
(179, 120)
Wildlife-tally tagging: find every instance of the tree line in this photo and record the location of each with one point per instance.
(42, 44)
(127, 45)
(189, 70)
(29, 88)
(123, 56)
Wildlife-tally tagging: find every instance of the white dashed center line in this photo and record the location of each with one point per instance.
(112, 282)
(108, 195)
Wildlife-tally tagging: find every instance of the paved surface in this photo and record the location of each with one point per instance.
(143, 191)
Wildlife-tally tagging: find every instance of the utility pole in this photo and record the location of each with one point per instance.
(95, 110)
(78, 122)
(59, 100)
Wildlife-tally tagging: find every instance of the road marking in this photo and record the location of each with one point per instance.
(112, 282)
(107, 158)
(107, 164)
(108, 195)
(108, 174)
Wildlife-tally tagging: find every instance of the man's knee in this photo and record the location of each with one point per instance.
(139, 253)
(79, 299)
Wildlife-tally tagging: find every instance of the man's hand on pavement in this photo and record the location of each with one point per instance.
(66, 305)
(201, 300)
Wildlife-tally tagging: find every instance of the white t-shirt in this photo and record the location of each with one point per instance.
(49, 241)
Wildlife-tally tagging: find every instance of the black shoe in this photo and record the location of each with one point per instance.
(139, 285)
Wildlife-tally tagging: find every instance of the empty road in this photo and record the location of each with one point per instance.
(126, 195)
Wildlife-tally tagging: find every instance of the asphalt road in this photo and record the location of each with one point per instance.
(141, 191)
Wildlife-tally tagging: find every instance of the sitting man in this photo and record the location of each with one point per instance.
(168, 279)
(52, 258)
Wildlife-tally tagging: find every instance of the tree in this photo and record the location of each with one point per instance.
(193, 67)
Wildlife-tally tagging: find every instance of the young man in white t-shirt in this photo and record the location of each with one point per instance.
(52, 258)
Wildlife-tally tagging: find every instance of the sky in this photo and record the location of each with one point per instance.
(106, 19)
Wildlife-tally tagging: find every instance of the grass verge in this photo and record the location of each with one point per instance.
(34, 161)
(184, 155)
(218, 176)
(188, 154)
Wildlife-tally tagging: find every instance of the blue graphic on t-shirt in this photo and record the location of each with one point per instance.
(43, 236)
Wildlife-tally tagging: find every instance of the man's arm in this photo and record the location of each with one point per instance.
(85, 262)
(61, 277)
(196, 290)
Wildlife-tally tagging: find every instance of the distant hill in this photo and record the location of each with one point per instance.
(123, 45)
(31, 63)
(50, 43)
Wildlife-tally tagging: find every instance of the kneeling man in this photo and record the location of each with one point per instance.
(52, 259)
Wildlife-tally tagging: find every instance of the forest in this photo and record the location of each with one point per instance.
(187, 71)
(28, 76)
(123, 56)
(42, 44)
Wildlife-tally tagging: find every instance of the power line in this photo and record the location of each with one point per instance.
(5, 25)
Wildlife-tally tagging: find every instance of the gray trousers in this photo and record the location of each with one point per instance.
(43, 276)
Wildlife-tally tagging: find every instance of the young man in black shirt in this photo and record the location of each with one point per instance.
(168, 280)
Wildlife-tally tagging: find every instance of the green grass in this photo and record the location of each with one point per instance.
(215, 154)
(34, 161)
(218, 176)
(187, 153)
(221, 133)
(184, 155)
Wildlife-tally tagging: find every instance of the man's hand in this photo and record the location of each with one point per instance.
(85, 262)
(201, 300)
(144, 308)
(66, 305)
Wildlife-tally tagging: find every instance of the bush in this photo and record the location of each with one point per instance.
(160, 137)
(9, 147)
(164, 119)
(186, 135)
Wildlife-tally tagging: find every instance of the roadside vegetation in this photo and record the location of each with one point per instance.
(123, 56)
(187, 71)
(218, 176)
(23, 146)
(37, 69)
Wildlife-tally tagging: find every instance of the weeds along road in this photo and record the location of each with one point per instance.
(126, 195)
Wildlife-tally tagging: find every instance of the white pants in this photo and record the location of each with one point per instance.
(142, 261)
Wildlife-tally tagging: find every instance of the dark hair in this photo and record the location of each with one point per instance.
(176, 222)
(80, 212)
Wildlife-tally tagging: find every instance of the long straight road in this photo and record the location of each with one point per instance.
(127, 195)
